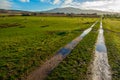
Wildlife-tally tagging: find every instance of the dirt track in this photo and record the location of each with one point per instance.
(100, 67)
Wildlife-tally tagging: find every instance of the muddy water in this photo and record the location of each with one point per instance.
(101, 68)
(49, 65)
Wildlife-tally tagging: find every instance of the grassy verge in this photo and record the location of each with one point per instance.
(112, 39)
(75, 66)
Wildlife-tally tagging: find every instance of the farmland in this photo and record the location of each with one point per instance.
(27, 42)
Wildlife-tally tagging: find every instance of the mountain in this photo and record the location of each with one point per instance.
(75, 11)
(56, 10)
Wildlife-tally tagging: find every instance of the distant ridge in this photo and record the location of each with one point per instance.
(75, 11)
(66, 10)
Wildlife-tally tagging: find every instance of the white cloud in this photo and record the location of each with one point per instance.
(52, 1)
(5, 4)
(68, 1)
(64, 1)
(56, 1)
(42, 0)
(104, 5)
(25, 0)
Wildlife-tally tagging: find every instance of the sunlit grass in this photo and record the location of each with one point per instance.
(27, 45)
(75, 66)
(112, 39)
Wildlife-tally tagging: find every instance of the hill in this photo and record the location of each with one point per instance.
(75, 11)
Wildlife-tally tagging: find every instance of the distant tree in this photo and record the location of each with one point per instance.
(34, 14)
(25, 14)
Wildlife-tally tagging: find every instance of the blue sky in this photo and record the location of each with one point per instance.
(32, 5)
(40, 5)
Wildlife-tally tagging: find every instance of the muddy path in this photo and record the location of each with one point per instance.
(100, 67)
(48, 66)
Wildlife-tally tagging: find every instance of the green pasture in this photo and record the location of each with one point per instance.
(27, 42)
(112, 39)
(76, 65)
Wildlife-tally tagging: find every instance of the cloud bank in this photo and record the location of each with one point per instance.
(5, 4)
(104, 5)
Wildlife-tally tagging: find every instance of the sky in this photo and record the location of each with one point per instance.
(42, 5)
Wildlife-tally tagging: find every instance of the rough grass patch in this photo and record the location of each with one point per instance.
(7, 25)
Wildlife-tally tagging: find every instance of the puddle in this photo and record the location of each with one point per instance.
(85, 32)
(70, 46)
(101, 48)
(64, 51)
(101, 68)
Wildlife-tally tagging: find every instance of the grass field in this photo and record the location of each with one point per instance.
(26, 42)
(75, 66)
(112, 39)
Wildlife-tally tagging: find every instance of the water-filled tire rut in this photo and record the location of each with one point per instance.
(101, 68)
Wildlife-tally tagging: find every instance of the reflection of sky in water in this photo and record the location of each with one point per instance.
(101, 48)
(101, 68)
(68, 48)
(64, 51)
(85, 32)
